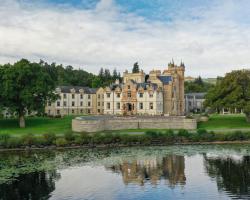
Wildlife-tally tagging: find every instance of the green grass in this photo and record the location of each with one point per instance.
(36, 125)
(225, 122)
(41, 125)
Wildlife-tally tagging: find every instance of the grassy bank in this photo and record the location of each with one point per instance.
(36, 125)
(225, 122)
(108, 139)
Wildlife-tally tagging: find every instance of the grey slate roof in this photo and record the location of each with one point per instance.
(165, 79)
(197, 95)
(87, 90)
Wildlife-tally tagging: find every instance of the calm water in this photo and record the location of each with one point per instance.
(174, 172)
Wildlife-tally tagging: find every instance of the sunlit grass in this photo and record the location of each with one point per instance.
(225, 122)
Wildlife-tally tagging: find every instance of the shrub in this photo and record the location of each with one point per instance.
(13, 142)
(207, 136)
(183, 133)
(4, 137)
(49, 138)
(78, 140)
(28, 139)
(151, 133)
(169, 136)
(69, 136)
(86, 138)
(220, 137)
(61, 142)
(201, 131)
(237, 135)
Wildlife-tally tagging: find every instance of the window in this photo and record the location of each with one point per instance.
(89, 103)
(58, 112)
(118, 105)
(89, 96)
(98, 111)
(129, 94)
(81, 111)
(128, 87)
(140, 95)
(102, 103)
(48, 112)
(58, 103)
(151, 106)
(81, 103)
(73, 103)
(108, 105)
(118, 95)
(99, 96)
(49, 103)
(81, 96)
(88, 111)
(64, 96)
(99, 103)
(73, 96)
(64, 103)
(141, 106)
(151, 95)
(73, 111)
(108, 95)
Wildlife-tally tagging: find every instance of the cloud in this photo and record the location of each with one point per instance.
(210, 40)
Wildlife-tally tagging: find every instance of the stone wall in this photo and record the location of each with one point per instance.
(95, 124)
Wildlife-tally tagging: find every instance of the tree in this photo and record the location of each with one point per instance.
(25, 87)
(96, 82)
(136, 68)
(232, 91)
(198, 85)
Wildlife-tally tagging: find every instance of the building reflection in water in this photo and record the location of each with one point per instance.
(170, 168)
(232, 174)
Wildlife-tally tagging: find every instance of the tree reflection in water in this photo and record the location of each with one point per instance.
(36, 185)
(170, 168)
(231, 174)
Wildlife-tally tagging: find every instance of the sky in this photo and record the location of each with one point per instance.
(211, 37)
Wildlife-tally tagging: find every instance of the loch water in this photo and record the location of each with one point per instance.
(169, 172)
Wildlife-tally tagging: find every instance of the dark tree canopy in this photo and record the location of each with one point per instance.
(25, 87)
(198, 85)
(136, 68)
(232, 91)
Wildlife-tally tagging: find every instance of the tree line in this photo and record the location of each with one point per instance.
(27, 86)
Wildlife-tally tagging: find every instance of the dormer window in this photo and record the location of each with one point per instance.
(81, 96)
(73, 96)
(58, 90)
(118, 95)
(140, 95)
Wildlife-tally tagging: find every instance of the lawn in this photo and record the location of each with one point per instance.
(37, 125)
(225, 122)
(41, 125)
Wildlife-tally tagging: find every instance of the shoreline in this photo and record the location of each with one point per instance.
(120, 146)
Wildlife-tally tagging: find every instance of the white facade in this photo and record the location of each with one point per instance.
(150, 103)
(73, 101)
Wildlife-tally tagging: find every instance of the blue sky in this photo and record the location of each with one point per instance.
(212, 37)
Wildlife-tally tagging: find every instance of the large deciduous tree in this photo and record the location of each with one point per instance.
(232, 91)
(25, 87)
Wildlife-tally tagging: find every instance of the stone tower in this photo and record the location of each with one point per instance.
(173, 92)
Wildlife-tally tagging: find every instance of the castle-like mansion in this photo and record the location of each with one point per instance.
(160, 93)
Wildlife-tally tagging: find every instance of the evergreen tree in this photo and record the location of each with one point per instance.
(136, 68)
